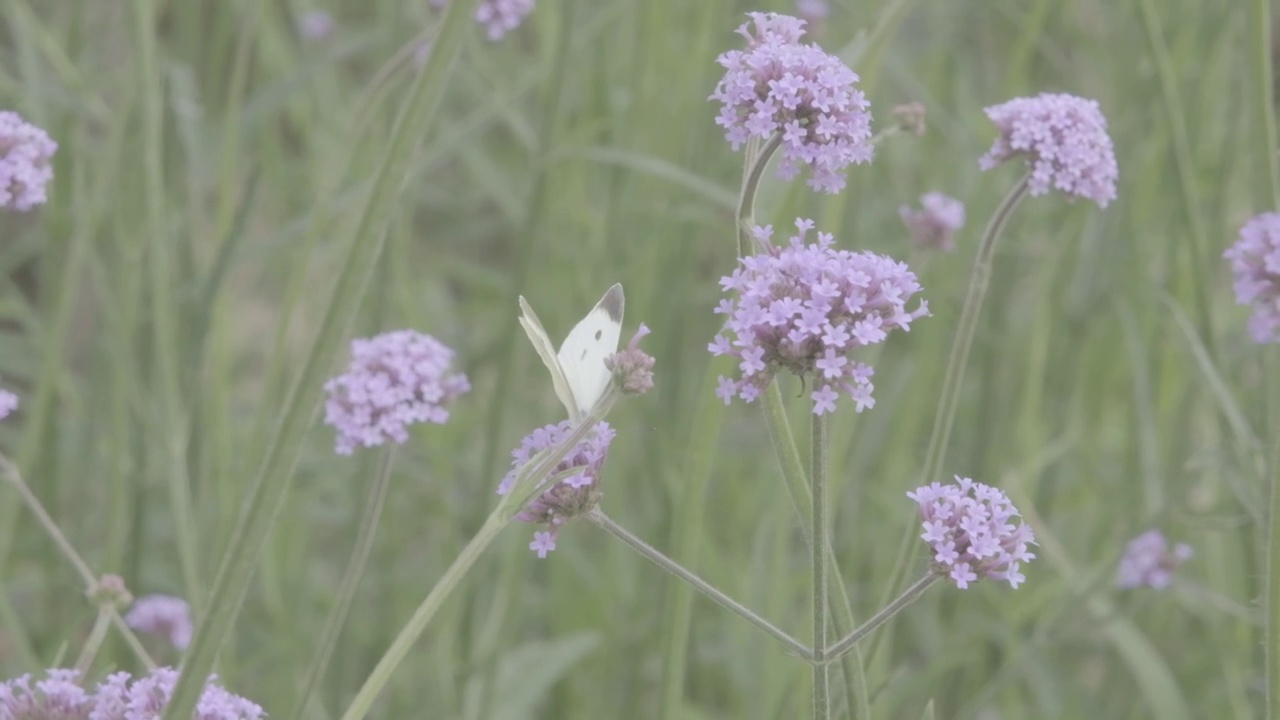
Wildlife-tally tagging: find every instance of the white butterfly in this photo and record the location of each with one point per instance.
(577, 371)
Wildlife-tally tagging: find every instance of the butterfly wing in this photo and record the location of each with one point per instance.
(582, 354)
(542, 344)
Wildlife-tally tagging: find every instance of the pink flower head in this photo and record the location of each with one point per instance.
(395, 380)
(970, 527)
(576, 491)
(781, 87)
(1065, 140)
(316, 25)
(1255, 262)
(61, 696)
(499, 17)
(935, 224)
(806, 308)
(25, 156)
(633, 367)
(162, 615)
(813, 11)
(1148, 560)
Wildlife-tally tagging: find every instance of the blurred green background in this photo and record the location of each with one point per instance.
(1112, 385)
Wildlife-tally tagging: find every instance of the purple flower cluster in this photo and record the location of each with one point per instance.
(934, 225)
(798, 92)
(1255, 262)
(59, 696)
(804, 308)
(1148, 560)
(316, 25)
(25, 155)
(970, 527)
(8, 403)
(632, 367)
(162, 615)
(499, 17)
(578, 489)
(1065, 140)
(813, 11)
(395, 380)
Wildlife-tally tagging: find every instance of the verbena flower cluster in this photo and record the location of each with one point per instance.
(934, 225)
(26, 154)
(8, 403)
(60, 696)
(632, 368)
(805, 308)
(813, 11)
(970, 527)
(576, 493)
(395, 380)
(1065, 140)
(498, 17)
(162, 615)
(1255, 262)
(781, 86)
(1148, 560)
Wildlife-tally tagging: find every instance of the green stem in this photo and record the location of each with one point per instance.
(96, 636)
(350, 580)
(957, 363)
(1266, 102)
(655, 556)
(268, 489)
(422, 616)
(910, 595)
(90, 580)
(745, 217)
(818, 565)
(1271, 648)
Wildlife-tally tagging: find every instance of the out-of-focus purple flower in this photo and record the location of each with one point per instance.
(1255, 262)
(8, 403)
(813, 11)
(162, 615)
(805, 308)
(498, 17)
(26, 152)
(395, 379)
(633, 367)
(1148, 560)
(970, 527)
(110, 590)
(781, 87)
(576, 492)
(60, 696)
(910, 117)
(934, 225)
(1065, 140)
(316, 25)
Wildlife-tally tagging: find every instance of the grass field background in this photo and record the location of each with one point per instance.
(212, 170)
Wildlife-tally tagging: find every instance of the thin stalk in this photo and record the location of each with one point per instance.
(910, 595)
(957, 363)
(412, 630)
(12, 474)
(269, 488)
(350, 580)
(94, 641)
(655, 556)
(818, 565)
(1266, 102)
(1271, 648)
(745, 217)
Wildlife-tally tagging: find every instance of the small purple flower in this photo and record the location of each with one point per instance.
(1065, 140)
(781, 87)
(970, 527)
(633, 367)
(1255, 262)
(934, 225)
(577, 489)
(316, 25)
(1148, 560)
(805, 308)
(813, 11)
(60, 696)
(8, 403)
(162, 615)
(25, 155)
(499, 17)
(395, 379)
